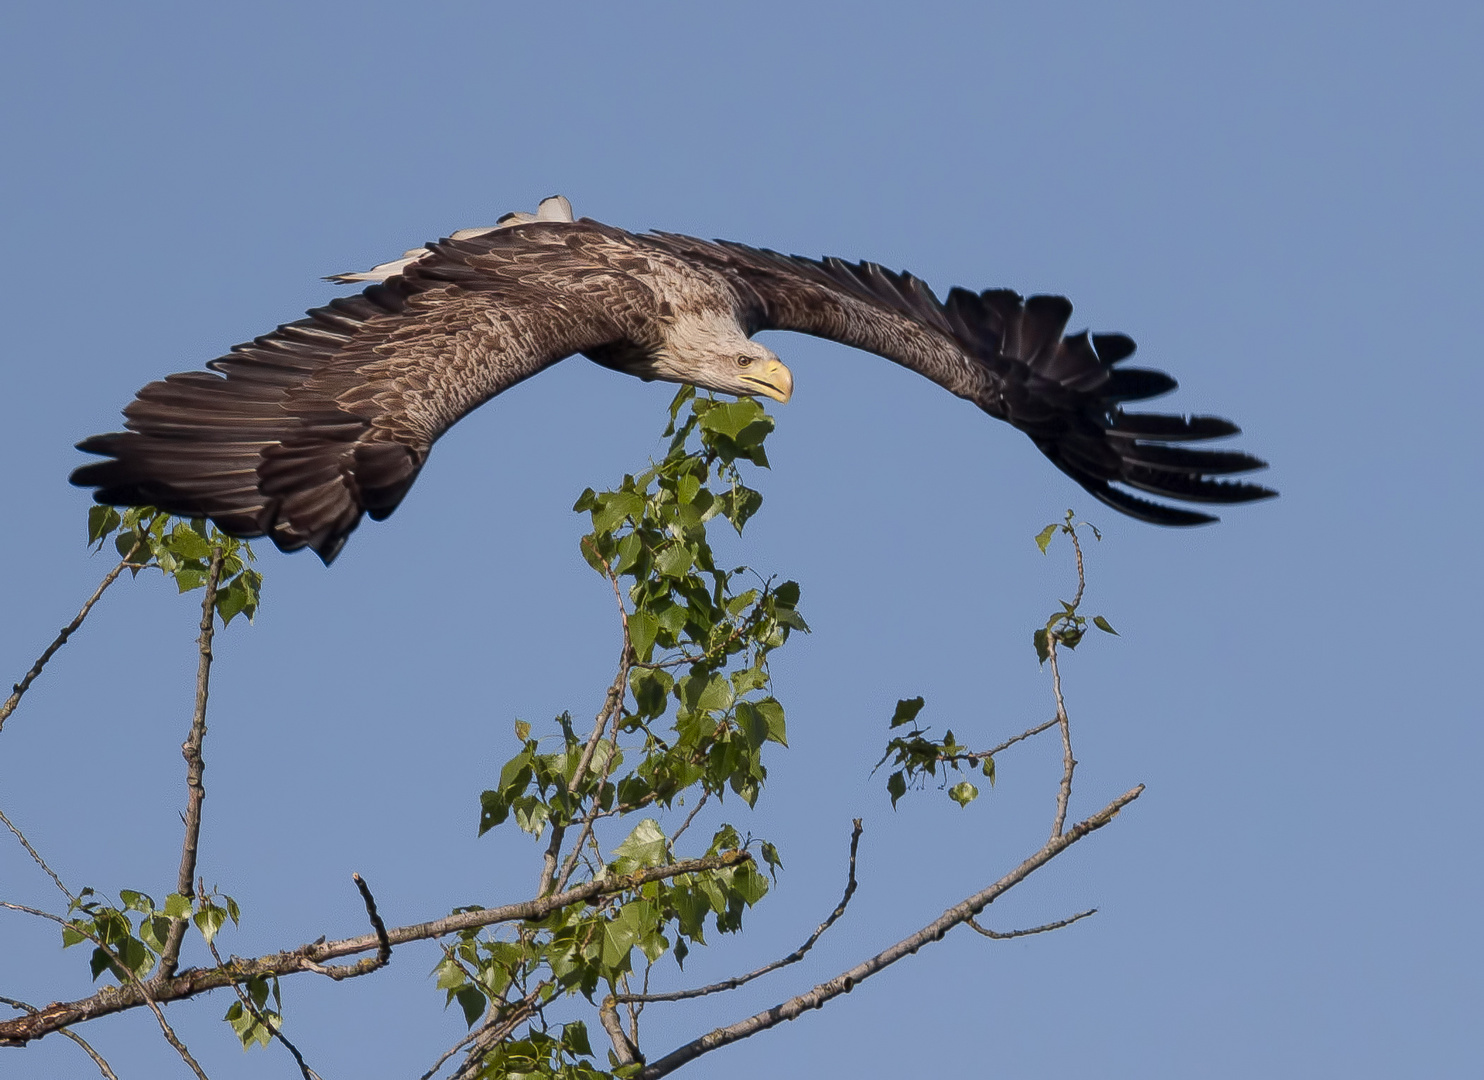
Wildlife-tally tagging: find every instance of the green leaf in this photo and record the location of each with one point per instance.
(574, 1038)
(896, 786)
(613, 507)
(963, 793)
(644, 846)
(987, 768)
(1042, 640)
(209, 920)
(473, 1002)
(675, 561)
(732, 417)
(522, 730)
(772, 713)
(102, 520)
(643, 627)
(906, 711)
(1102, 624)
(1043, 538)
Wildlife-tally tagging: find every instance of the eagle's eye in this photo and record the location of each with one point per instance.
(743, 361)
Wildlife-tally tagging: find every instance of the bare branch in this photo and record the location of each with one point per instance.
(311, 957)
(1005, 935)
(688, 819)
(1068, 763)
(37, 857)
(1026, 734)
(18, 691)
(450, 1052)
(195, 769)
(792, 958)
(24, 910)
(74, 1036)
(383, 943)
(933, 931)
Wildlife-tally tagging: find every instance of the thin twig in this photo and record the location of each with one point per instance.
(612, 710)
(848, 980)
(594, 811)
(195, 769)
(262, 1018)
(611, 704)
(1068, 762)
(18, 691)
(705, 794)
(74, 1036)
(999, 935)
(450, 1052)
(1026, 734)
(311, 957)
(37, 856)
(792, 958)
(383, 943)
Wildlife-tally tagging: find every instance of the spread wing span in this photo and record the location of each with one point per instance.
(297, 434)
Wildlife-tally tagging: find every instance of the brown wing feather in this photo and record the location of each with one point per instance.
(1009, 356)
(303, 430)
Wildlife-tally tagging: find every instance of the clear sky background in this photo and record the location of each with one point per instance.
(1279, 202)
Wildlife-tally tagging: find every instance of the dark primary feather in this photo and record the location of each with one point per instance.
(298, 433)
(1009, 356)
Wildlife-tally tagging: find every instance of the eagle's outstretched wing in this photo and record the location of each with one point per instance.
(1008, 356)
(306, 428)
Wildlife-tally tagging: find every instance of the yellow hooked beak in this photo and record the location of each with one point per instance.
(772, 380)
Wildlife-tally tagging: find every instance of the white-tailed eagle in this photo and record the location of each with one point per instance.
(301, 431)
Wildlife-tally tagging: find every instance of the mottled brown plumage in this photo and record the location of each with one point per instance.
(301, 431)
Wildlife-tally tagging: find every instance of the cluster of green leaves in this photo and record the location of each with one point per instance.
(688, 613)
(916, 756)
(129, 939)
(249, 1023)
(582, 948)
(696, 717)
(1067, 626)
(181, 550)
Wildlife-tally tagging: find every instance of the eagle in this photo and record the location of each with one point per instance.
(299, 433)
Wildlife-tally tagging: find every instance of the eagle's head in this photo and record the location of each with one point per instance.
(714, 354)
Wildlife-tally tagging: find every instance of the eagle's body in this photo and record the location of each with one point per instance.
(332, 416)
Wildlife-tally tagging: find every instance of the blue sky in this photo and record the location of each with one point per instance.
(1278, 202)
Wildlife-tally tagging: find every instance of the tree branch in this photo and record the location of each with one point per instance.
(37, 857)
(933, 931)
(193, 981)
(195, 769)
(1068, 763)
(18, 691)
(1006, 935)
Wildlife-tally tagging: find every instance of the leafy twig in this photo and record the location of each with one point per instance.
(195, 768)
